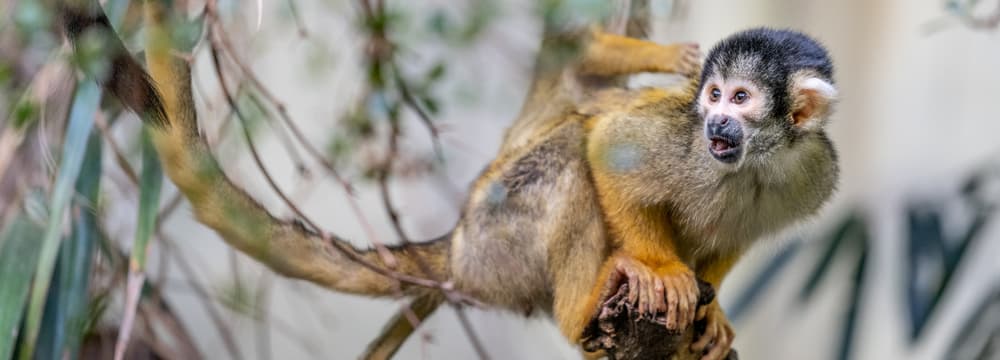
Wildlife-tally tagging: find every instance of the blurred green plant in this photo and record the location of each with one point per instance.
(933, 258)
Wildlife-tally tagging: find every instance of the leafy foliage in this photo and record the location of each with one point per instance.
(934, 257)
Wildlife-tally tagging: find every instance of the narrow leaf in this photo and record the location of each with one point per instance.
(81, 121)
(149, 203)
(980, 331)
(19, 248)
(67, 303)
(834, 242)
(762, 281)
(854, 304)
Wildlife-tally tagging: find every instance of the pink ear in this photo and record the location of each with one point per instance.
(812, 102)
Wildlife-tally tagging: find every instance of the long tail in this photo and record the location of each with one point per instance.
(167, 107)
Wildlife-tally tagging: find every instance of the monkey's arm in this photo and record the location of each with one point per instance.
(610, 55)
(561, 81)
(647, 258)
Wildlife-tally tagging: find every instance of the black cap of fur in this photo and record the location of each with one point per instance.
(774, 55)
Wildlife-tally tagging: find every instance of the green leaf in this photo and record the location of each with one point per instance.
(25, 113)
(851, 317)
(66, 309)
(762, 281)
(835, 242)
(81, 121)
(436, 72)
(19, 248)
(980, 331)
(431, 105)
(186, 33)
(150, 183)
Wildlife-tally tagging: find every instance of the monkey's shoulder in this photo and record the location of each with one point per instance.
(646, 111)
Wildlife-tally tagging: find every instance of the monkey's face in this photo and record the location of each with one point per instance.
(734, 111)
(755, 121)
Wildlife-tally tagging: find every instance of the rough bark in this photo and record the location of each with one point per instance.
(624, 334)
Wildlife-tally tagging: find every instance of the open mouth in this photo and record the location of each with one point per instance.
(724, 149)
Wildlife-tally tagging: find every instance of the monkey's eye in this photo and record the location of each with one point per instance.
(740, 97)
(716, 94)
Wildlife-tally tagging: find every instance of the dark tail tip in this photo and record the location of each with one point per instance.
(126, 80)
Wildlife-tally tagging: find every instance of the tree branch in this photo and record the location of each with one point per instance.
(624, 334)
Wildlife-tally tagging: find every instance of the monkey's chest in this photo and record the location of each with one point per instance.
(734, 221)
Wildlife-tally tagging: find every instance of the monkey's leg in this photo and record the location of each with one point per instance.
(609, 55)
(399, 328)
(717, 340)
(660, 282)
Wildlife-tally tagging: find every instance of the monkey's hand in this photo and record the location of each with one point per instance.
(614, 55)
(716, 340)
(667, 293)
(686, 60)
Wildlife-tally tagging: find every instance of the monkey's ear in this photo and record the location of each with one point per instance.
(812, 102)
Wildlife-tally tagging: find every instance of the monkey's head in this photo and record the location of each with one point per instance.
(761, 91)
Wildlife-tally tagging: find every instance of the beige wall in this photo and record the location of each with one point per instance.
(917, 110)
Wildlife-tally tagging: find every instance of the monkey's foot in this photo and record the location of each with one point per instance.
(717, 338)
(668, 294)
(621, 334)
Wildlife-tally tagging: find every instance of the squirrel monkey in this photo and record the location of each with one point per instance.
(575, 201)
(688, 180)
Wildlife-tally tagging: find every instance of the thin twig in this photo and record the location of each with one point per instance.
(191, 274)
(116, 150)
(408, 99)
(168, 210)
(303, 33)
(369, 230)
(248, 73)
(470, 332)
(283, 136)
(262, 300)
(329, 239)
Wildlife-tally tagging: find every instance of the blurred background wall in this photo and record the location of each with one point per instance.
(918, 112)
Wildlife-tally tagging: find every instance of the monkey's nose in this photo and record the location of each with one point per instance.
(725, 138)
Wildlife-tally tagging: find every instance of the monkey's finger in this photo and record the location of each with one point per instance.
(643, 297)
(633, 288)
(654, 296)
(672, 298)
(649, 289)
(682, 302)
(720, 349)
(659, 297)
(611, 286)
(684, 315)
(702, 311)
(711, 331)
(693, 295)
